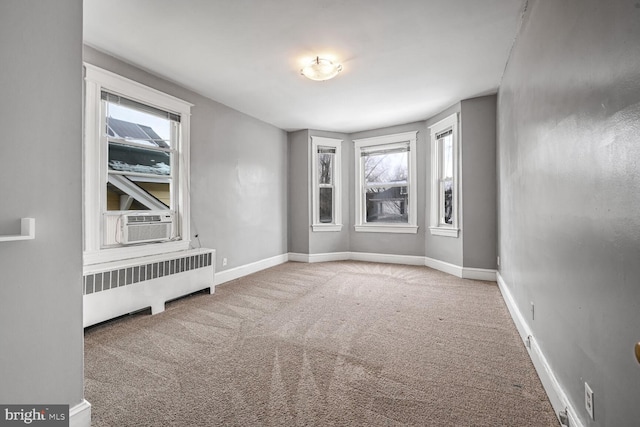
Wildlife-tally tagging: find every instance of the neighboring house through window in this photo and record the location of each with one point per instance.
(139, 172)
(136, 167)
(444, 177)
(326, 171)
(386, 183)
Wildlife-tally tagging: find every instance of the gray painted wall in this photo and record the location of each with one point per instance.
(41, 360)
(302, 239)
(238, 174)
(299, 192)
(478, 178)
(390, 243)
(569, 229)
(475, 247)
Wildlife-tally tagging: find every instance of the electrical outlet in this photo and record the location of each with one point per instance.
(533, 311)
(224, 262)
(563, 416)
(588, 400)
(498, 261)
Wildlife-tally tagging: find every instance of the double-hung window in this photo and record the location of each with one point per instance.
(444, 177)
(326, 184)
(135, 167)
(141, 152)
(386, 183)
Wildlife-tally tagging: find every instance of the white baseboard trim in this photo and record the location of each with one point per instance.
(80, 415)
(244, 270)
(387, 258)
(357, 256)
(462, 272)
(297, 257)
(554, 389)
(446, 267)
(479, 274)
(326, 257)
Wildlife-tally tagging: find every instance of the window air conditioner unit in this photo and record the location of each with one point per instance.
(142, 227)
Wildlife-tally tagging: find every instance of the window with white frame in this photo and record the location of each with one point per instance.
(444, 177)
(386, 183)
(136, 168)
(326, 184)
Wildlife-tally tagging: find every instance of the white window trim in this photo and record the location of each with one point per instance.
(361, 144)
(336, 225)
(436, 228)
(96, 80)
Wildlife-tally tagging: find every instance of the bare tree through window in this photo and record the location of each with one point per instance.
(326, 157)
(386, 180)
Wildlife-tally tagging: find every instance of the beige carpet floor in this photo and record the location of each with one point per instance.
(326, 344)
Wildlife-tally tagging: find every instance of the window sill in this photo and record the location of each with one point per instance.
(326, 227)
(387, 228)
(127, 252)
(444, 231)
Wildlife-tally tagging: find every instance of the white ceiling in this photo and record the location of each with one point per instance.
(404, 60)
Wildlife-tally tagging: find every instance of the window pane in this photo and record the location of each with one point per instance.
(135, 193)
(138, 126)
(447, 156)
(387, 204)
(131, 158)
(325, 168)
(159, 190)
(447, 187)
(326, 205)
(385, 168)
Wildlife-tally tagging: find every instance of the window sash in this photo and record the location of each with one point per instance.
(444, 177)
(326, 171)
(325, 203)
(386, 210)
(384, 180)
(398, 214)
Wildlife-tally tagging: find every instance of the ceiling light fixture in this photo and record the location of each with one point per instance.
(321, 69)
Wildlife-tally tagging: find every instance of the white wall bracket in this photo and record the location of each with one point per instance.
(27, 231)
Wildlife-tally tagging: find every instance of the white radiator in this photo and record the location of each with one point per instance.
(112, 290)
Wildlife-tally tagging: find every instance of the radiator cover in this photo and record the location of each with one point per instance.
(140, 283)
